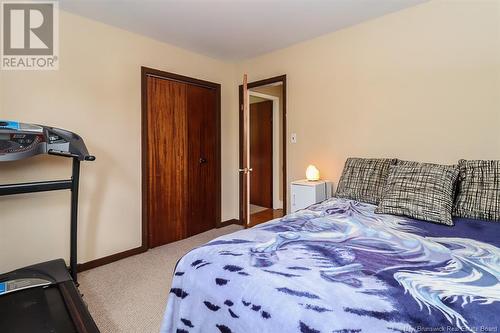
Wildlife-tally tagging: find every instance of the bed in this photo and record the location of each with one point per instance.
(339, 267)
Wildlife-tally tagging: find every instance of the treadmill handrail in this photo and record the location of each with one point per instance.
(68, 154)
(32, 187)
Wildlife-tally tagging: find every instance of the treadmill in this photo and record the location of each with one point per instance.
(44, 297)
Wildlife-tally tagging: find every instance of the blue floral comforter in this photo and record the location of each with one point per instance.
(339, 267)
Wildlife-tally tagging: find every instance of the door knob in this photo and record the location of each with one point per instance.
(203, 160)
(245, 170)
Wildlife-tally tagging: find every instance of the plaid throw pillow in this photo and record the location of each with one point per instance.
(422, 191)
(478, 194)
(410, 163)
(363, 179)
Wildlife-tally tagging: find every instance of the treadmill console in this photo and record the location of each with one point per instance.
(43, 298)
(19, 141)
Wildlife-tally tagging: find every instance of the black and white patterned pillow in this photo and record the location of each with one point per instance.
(363, 179)
(478, 193)
(422, 191)
(409, 163)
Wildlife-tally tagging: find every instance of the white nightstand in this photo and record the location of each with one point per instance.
(305, 193)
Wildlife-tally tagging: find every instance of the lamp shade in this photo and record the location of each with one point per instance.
(312, 173)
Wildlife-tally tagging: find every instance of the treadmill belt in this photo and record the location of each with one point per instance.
(35, 310)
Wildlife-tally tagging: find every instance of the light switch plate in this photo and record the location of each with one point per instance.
(293, 138)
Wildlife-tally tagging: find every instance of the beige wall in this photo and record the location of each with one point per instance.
(96, 93)
(420, 84)
(423, 84)
(255, 99)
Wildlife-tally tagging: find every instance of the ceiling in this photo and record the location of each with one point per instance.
(233, 29)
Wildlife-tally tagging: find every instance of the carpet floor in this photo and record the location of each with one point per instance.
(255, 209)
(130, 295)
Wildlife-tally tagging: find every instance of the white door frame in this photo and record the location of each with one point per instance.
(277, 203)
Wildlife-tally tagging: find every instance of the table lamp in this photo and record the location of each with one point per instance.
(312, 173)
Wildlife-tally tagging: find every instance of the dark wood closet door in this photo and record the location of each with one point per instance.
(202, 160)
(167, 160)
(261, 154)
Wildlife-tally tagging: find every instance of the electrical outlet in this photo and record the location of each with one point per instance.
(293, 138)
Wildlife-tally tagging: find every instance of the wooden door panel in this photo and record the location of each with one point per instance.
(261, 154)
(202, 163)
(166, 160)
